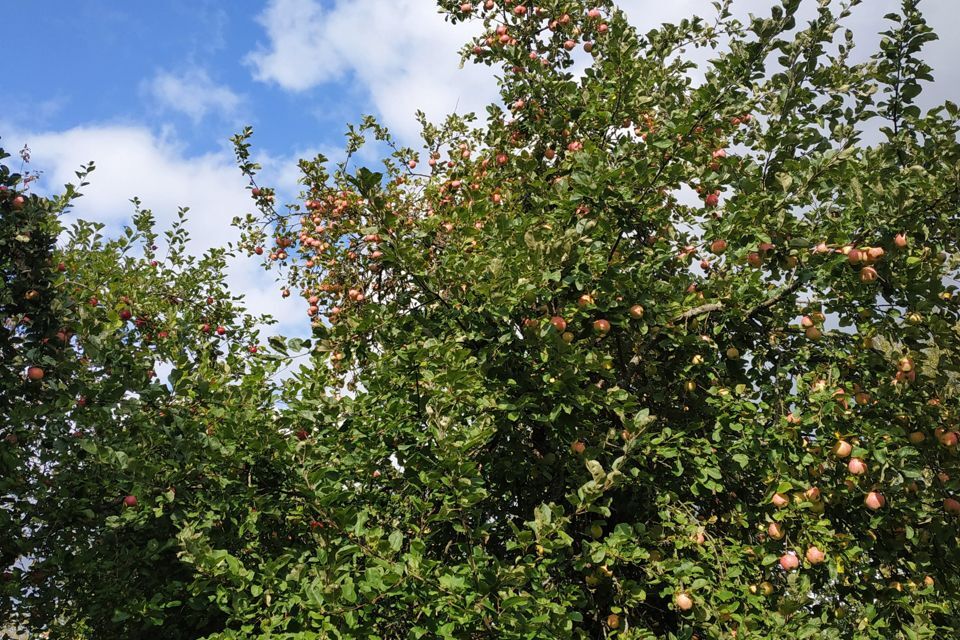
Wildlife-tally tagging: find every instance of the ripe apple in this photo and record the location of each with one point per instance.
(951, 506)
(558, 323)
(636, 311)
(812, 494)
(221, 330)
(125, 314)
(683, 601)
(584, 300)
(949, 439)
(18, 203)
(789, 561)
(130, 501)
(466, 7)
(718, 246)
(578, 447)
(917, 437)
(815, 556)
(842, 449)
(905, 365)
(806, 322)
(754, 260)
(712, 199)
(813, 333)
(776, 531)
(874, 500)
(900, 240)
(868, 274)
(779, 500)
(35, 373)
(857, 467)
(601, 326)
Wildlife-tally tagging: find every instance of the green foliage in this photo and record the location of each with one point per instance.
(571, 369)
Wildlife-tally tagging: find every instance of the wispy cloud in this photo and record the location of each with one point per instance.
(192, 93)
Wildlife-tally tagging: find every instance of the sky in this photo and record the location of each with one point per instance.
(153, 91)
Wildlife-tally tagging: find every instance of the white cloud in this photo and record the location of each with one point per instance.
(192, 93)
(134, 161)
(401, 53)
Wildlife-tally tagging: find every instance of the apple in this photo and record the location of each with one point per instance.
(917, 437)
(719, 153)
(636, 311)
(868, 274)
(584, 300)
(35, 373)
(779, 500)
(125, 314)
(812, 494)
(593, 13)
(130, 501)
(806, 322)
(18, 203)
(857, 467)
(466, 7)
(558, 323)
(578, 447)
(718, 246)
(789, 561)
(683, 601)
(951, 506)
(601, 326)
(61, 267)
(815, 556)
(842, 449)
(854, 256)
(813, 333)
(733, 353)
(905, 365)
(874, 500)
(302, 434)
(775, 531)
(949, 439)
(754, 259)
(567, 337)
(900, 241)
(221, 330)
(712, 199)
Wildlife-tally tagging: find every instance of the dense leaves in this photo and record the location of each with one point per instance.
(658, 351)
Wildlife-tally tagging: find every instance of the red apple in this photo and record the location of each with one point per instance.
(857, 467)
(558, 323)
(815, 556)
(813, 333)
(125, 314)
(35, 373)
(18, 203)
(221, 330)
(601, 326)
(712, 199)
(900, 240)
(951, 506)
(779, 500)
(812, 494)
(584, 300)
(789, 561)
(718, 246)
(578, 447)
(130, 501)
(874, 500)
(636, 311)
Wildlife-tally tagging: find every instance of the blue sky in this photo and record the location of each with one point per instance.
(152, 91)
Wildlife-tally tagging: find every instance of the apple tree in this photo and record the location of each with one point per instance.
(658, 350)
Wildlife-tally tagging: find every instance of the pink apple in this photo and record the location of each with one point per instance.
(789, 561)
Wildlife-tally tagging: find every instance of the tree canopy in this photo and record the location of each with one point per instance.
(652, 350)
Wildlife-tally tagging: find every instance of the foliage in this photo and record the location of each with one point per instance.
(603, 366)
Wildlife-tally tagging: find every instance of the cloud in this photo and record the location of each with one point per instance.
(401, 53)
(132, 160)
(193, 94)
